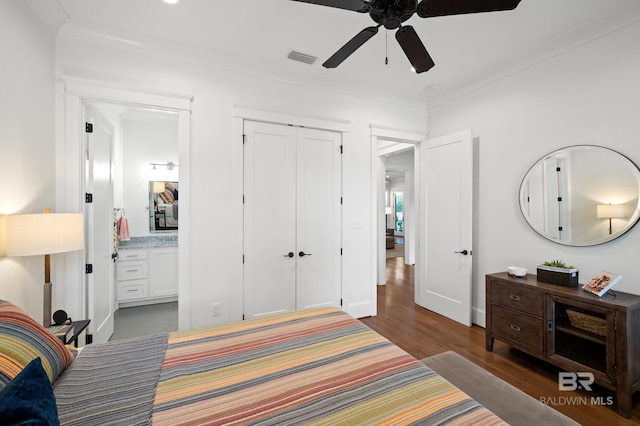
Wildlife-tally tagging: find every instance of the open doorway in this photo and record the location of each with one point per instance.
(78, 96)
(396, 204)
(145, 199)
(399, 202)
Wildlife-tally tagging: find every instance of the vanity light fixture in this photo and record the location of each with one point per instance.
(170, 165)
(610, 211)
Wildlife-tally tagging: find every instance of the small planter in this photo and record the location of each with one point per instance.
(559, 276)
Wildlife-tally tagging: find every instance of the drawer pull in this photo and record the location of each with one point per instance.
(514, 297)
(129, 256)
(132, 270)
(132, 291)
(515, 327)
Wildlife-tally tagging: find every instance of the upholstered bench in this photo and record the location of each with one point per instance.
(507, 402)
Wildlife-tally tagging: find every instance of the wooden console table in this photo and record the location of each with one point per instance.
(570, 328)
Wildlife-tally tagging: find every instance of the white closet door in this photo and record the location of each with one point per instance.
(269, 219)
(319, 218)
(292, 231)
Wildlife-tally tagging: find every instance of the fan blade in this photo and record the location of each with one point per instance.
(352, 45)
(355, 5)
(431, 8)
(414, 49)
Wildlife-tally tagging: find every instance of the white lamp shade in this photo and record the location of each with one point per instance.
(388, 210)
(606, 211)
(46, 233)
(158, 187)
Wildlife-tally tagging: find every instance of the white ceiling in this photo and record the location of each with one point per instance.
(468, 49)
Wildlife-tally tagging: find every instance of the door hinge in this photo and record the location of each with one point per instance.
(341, 149)
(341, 200)
(243, 258)
(88, 268)
(557, 169)
(242, 198)
(88, 198)
(340, 251)
(244, 139)
(88, 127)
(340, 302)
(559, 199)
(559, 228)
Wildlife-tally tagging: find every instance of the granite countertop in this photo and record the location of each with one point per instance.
(153, 241)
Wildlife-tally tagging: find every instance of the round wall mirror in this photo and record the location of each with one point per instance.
(581, 195)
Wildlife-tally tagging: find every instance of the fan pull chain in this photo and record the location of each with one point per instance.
(386, 47)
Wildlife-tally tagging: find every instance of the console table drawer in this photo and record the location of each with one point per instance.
(518, 329)
(519, 298)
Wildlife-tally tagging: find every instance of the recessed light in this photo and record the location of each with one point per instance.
(171, 1)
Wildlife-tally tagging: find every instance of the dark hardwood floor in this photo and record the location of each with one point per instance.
(423, 333)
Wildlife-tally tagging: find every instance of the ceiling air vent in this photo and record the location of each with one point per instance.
(301, 57)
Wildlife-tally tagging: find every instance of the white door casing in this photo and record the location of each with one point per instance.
(446, 205)
(292, 218)
(99, 219)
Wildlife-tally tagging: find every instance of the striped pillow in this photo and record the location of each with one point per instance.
(22, 339)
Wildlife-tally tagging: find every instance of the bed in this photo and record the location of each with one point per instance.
(317, 366)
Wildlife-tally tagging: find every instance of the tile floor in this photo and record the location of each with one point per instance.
(145, 320)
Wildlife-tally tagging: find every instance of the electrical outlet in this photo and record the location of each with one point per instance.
(215, 309)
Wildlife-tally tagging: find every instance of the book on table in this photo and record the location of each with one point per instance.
(602, 283)
(64, 332)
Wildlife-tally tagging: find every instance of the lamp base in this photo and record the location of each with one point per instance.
(46, 316)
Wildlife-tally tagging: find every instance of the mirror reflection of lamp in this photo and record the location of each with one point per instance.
(610, 211)
(44, 234)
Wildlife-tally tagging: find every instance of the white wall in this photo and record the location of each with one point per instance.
(588, 95)
(215, 91)
(27, 149)
(146, 141)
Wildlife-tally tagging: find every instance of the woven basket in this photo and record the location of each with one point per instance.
(588, 323)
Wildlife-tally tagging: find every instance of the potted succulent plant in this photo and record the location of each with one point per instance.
(556, 272)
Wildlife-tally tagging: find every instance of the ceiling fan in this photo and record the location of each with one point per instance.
(392, 13)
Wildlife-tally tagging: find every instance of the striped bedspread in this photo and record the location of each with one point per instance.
(316, 366)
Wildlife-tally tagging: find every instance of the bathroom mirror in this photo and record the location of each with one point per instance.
(581, 195)
(163, 206)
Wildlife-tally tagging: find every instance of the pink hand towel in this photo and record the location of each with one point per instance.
(123, 229)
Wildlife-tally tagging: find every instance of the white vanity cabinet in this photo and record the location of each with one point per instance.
(163, 272)
(147, 275)
(132, 275)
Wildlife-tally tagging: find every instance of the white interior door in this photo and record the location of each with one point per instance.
(446, 203)
(269, 219)
(292, 224)
(318, 230)
(99, 229)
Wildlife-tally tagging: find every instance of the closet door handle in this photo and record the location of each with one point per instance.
(290, 254)
(303, 254)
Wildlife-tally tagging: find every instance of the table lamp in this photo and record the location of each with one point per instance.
(44, 234)
(609, 211)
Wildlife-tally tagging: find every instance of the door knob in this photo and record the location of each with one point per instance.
(290, 254)
(303, 254)
(463, 252)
